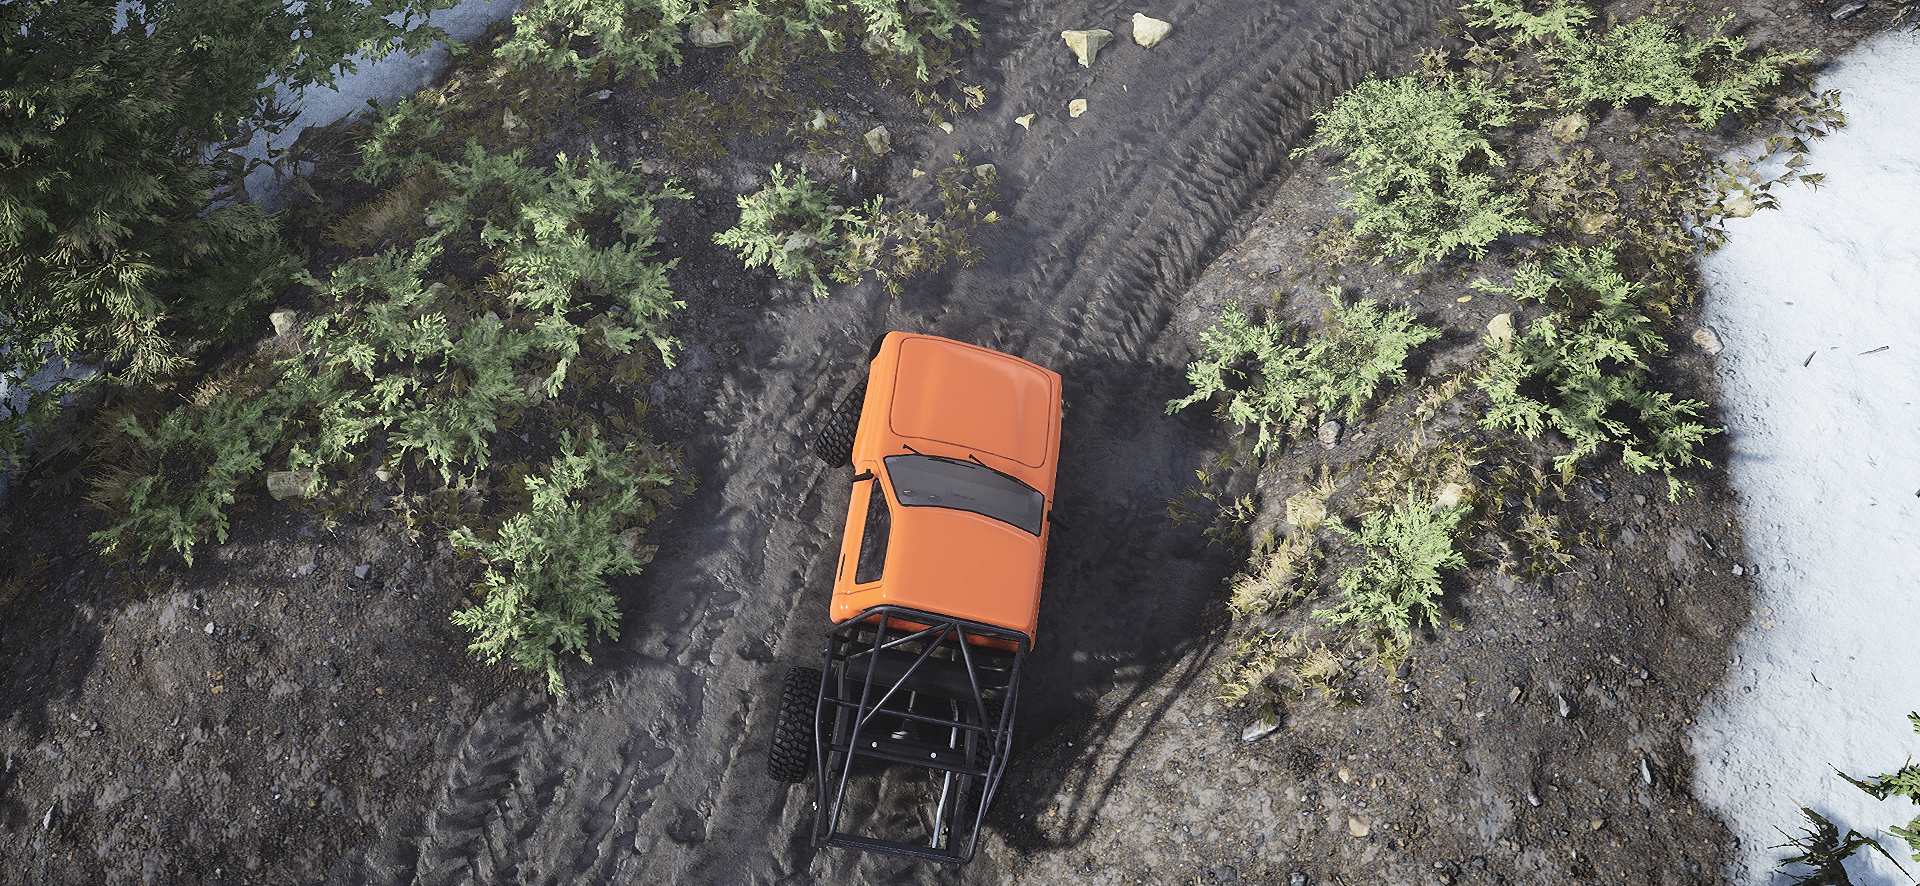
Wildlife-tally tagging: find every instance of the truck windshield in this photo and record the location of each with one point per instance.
(930, 481)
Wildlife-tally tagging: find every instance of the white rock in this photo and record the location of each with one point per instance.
(1708, 340)
(946, 127)
(1330, 434)
(878, 141)
(713, 28)
(1149, 32)
(1500, 330)
(1086, 44)
(1025, 122)
(1076, 107)
(282, 321)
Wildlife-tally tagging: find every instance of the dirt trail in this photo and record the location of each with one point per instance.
(651, 769)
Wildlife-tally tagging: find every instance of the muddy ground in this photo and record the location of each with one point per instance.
(274, 715)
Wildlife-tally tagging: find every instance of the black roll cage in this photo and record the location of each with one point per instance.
(886, 674)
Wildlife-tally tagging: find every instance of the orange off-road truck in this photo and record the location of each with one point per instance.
(936, 595)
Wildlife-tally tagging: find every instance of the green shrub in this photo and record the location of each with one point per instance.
(1416, 160)
(1582, 370)
(791, 226)
(1902, 783)
(545, 583)
(199, 455)
(1646, 58)
(785, 226)
(642, 36)
(121, 233)
(389, 356)
(633, 37)
(1397, 584)
(903, 243)
(1269, 381)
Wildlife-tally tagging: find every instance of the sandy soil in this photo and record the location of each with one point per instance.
(269, 717)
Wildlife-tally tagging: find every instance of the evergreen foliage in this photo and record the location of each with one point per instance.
(1646, 58)
(1416, 160)
(641, 37)
(124, 233)
(1904, 782)
(1583, 370)
(1270, 381)
(1397, 585)
(546, 590)
(791, 227)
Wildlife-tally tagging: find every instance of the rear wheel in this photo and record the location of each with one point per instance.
(791, 756)
(834, 441)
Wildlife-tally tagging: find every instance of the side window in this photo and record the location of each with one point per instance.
(873, 537)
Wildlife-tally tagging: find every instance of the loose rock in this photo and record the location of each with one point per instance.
(1076, 107)
(1500, 330)
(713, 28)
(282, 320)
(1358, 826)
(1265, 725)
(1330, 434)
(1708, 340)
(1148, 32)
(1086, 44)
(878, 141)
(1025, 122)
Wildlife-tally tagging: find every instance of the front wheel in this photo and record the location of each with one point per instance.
(791, 756)
(834, 442)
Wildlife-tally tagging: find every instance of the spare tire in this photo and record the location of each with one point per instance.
(791, 757)
(833, 442)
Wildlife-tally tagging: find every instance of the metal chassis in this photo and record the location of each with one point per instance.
(877, 667)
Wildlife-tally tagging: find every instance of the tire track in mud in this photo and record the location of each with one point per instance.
(651, 769)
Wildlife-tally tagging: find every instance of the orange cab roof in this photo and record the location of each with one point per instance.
(966, 403)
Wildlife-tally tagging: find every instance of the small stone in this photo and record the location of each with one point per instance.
(1847, 11)
(382, 474)
(1597, 823)
(1330, 434)
(713, 28)
(1572, 127)
(1264, 725)
(946, 127)
(1297, 878)
(1513, 695)
(282, 320)
(283, 485)
(1025, 122)
(1345, 775)
(1500, 330)
(602, 95)
(1086, 44)
(1404, 671)
(878, 141)
(1358, 826)
(512, 124)
(209, 629)
(1646, 774)
(1566, 707)
(360, 571)
(1450, 496)
(1738, 205)
(1708, 340)
(1533, 799)
(1148, 32)
(1076, 107)
(1737, 570)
